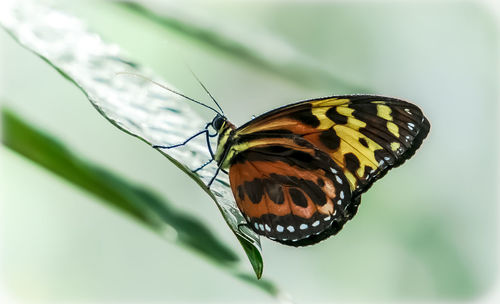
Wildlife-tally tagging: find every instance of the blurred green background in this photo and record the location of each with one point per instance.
(427, 231)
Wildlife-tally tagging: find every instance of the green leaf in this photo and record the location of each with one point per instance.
(139, 203)
(133, 104)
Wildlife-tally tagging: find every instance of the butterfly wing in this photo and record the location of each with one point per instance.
(290, 191)
(365, 135)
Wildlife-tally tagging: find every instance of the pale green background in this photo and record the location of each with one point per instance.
(427, 231)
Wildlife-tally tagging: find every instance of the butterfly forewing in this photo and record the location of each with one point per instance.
(365, 135)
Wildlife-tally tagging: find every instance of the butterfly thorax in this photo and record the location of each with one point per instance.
(229, 144)
(225, 144)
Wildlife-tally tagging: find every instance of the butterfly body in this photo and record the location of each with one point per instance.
(297, 172)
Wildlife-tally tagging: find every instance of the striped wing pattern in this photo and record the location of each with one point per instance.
(295, 163)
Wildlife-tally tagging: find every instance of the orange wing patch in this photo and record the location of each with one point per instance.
(278, 188)
(290, 193)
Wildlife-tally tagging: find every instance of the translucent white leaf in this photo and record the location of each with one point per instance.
(133, 104)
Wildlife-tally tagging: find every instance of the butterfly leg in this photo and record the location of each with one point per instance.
(213, 178)
(186, 141)
(208, 135)
(202, 166)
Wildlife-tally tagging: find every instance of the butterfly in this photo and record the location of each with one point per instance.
(297, 172)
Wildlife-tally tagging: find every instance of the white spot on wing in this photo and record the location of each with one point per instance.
(261, 227)
(290, 228)
(339, 180)
(342, 194)
(327, 218)
(315, 224)
(279, 228)
(256, 225)
(411, 126)
(303, 226)
(267, 227)
(333, 171)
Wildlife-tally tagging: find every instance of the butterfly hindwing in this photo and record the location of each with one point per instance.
(290, 191)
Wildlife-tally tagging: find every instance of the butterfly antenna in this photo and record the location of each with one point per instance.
(170, 90)
(205, 88)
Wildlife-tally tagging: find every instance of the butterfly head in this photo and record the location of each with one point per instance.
(218, 122)
(221, 124)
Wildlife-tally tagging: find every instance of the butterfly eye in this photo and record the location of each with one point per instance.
(218, 122)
